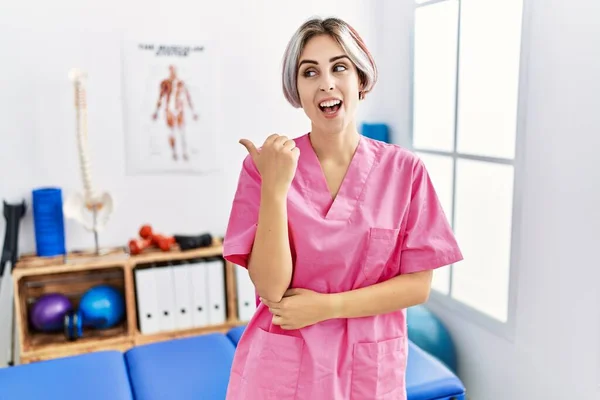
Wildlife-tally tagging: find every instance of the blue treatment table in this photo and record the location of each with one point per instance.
(190, 368)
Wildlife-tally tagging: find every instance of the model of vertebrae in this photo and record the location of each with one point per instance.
(80, 206)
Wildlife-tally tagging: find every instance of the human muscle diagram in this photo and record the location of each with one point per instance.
(170, 118)
(173, 100)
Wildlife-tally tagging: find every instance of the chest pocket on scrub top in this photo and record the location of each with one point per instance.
(380, 248)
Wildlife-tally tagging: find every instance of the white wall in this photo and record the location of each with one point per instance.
(555, 353)
(557, 295)
(391, 100)
(41, 41)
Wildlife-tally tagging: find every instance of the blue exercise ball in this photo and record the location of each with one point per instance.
(429, 333)
(102, 307)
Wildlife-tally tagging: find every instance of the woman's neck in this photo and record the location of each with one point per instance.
(338, 148)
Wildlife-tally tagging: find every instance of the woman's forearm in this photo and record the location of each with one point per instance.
(270, 264)
(400, 292)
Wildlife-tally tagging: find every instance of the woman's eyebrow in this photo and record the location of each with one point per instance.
(338, 57)
(332, 59)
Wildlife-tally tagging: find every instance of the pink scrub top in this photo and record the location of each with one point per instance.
(386, 220)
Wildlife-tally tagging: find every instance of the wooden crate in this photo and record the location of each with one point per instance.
(76, 273)
(35, 356)
(72, 284)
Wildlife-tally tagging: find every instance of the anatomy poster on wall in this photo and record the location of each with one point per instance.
(169, 94)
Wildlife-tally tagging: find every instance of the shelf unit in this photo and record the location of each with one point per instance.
(76, 273)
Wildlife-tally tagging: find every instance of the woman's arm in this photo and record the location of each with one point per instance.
(303, 307)
(400, 292)
(270, 260)
(270, 263)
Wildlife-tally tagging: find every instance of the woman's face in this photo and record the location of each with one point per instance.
(328, 85)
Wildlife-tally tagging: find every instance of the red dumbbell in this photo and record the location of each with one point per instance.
(136, 246)
(161, 241)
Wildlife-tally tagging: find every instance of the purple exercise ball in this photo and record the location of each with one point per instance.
(47, 313)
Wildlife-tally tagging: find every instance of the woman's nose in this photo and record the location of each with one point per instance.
(326, 84)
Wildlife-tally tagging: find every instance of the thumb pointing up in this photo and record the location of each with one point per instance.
(250, 147)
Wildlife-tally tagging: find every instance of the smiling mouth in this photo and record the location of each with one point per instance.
(330, 107)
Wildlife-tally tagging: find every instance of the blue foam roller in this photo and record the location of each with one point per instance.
(48, 222)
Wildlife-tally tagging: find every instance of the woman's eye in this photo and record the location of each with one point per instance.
(339, 68)
(308, 73)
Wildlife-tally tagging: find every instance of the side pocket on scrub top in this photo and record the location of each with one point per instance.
(378, 370)
(273, 367)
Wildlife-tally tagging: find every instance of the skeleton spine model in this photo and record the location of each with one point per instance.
(100, 205)
(84, 157)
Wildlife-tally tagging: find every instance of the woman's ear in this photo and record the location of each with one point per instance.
(361, 91)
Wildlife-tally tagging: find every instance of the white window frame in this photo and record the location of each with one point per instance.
(440, 302)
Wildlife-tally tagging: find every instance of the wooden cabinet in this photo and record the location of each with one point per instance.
(74, 274)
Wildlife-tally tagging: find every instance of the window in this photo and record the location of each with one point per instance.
(465, 102)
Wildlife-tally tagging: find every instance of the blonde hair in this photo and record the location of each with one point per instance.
(347, 38)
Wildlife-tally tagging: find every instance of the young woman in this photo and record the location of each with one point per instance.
(340, 234)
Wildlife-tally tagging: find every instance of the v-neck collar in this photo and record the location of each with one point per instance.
(351, 189)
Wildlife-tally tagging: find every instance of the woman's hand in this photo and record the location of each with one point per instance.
(276, 162)
(299, 308)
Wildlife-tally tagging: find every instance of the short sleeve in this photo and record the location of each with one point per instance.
(428, 240)
(243, 218)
